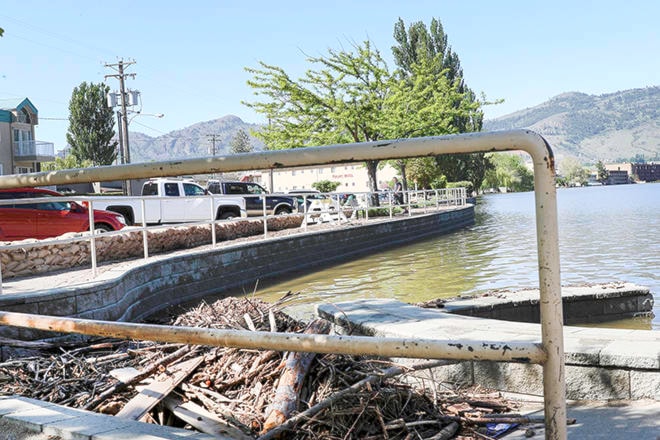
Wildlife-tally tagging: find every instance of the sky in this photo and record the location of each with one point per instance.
(190, 57)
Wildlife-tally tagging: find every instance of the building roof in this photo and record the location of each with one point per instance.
(8, 105)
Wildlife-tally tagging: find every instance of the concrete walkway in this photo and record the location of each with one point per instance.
(23, 417)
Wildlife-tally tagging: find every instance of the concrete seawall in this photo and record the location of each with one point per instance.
(131, 292)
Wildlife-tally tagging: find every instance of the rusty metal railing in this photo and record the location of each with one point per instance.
(551, 352)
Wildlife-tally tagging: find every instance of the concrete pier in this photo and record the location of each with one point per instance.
(601, 363)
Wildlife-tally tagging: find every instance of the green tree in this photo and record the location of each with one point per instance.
(325, 186)
(573, 171)
(241, 142)
(423, 171)
(509, 171)
(339, 102)
(91, 124)
(66, 163)
(602, 175)
(428, 48)
(2, 31)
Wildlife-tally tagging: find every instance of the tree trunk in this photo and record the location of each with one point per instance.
(372, 167)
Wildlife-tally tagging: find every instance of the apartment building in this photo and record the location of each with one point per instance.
(352, 177)
(19, 151)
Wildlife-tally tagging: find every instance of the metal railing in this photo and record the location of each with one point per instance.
(438, 199)
(33, 149)
(550, 354)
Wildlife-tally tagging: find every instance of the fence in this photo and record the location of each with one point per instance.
(550, 353)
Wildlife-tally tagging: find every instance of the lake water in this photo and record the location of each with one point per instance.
(607, 233)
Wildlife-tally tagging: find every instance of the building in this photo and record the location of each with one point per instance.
(646, 172)
(19, 151)
(352, 177)
(619, 173)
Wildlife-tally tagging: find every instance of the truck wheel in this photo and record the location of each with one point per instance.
(227, 215)
(282, 211)
(102, 227)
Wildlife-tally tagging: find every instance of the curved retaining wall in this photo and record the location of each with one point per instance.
(145, 289)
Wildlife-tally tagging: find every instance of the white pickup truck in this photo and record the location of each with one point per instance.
(173, 201)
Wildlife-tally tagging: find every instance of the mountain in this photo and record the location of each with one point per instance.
(611, 127)
(193, 141)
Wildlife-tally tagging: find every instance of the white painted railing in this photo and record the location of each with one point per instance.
(550, 354)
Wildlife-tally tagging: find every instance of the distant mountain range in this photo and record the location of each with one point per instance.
(612, 127)
(196, 140)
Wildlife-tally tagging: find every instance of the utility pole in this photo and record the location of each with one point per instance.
(123, 129)
(213, 137)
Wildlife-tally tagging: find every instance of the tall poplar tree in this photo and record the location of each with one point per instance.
(91, 125)
(419, 45)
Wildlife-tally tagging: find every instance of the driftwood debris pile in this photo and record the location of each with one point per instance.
(246, 394)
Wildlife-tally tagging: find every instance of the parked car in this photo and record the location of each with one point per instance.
(48, 218)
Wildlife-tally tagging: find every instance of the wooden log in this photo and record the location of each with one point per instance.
(291, 381)
(445, 433)
(158, 389)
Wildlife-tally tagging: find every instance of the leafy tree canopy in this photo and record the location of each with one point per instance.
(67, 163)
(339, 102)
(509, 172)
(573, 171)
(91, 124)
(602, 175)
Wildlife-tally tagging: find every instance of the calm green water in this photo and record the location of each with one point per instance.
(607, 234)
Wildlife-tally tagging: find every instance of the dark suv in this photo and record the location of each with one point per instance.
(48, 218)
(275, 204)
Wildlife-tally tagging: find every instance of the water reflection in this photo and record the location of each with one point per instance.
(606, 234)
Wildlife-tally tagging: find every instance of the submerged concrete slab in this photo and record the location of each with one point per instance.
(581, 304)
(600, 363)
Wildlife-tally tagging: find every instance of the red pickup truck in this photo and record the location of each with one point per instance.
(48, 218)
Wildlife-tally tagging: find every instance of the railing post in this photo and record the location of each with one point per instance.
(305, 212)
(213, 221)
(265, 212)
(92, 238)
(145, 243)
(389, 199)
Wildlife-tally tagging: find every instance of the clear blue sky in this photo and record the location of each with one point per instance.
(190, 56)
